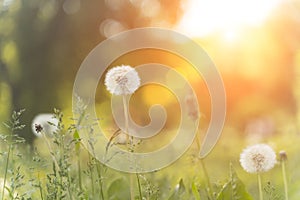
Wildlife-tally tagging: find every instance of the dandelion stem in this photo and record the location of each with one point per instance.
(206, 177)
(197, 140)
(126, 118)
(50, 150)
(284, 180)
(6, 168)
(131, 186)
(139, 185)
(128, 142)
(261, 197)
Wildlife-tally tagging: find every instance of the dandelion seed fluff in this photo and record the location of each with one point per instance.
(43, 120)
(258, 158)
(122, 80)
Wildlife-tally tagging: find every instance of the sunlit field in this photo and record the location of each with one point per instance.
(64, 135)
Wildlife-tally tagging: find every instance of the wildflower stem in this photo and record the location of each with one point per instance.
(261, 197)
(284, 180)
(6, 168)
(206, 177)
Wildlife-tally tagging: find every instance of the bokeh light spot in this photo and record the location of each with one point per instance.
(110, 27)
(150, 8)
(71, 6)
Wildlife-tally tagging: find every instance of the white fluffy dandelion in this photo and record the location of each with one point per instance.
(122, 80)
(258, 158)
(41, 123)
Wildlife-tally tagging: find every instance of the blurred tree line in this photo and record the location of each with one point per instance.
(43, 42)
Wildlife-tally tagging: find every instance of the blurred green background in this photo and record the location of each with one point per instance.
(43, 42)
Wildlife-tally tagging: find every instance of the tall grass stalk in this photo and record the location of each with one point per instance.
(6, 169)
(79, 170)
(81, 111)
(90, 167)
(100, 182)
(62, 159)
(12, 139)
(95, 162)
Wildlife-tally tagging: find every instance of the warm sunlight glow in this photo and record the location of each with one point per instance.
(203, 17)
(230, 35)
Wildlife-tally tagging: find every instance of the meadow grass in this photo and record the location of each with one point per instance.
(66, 170)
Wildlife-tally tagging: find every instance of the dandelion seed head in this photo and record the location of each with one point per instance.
(282, 155)
(122, 80)
(41, 123)
(38, 128)
(258, 158)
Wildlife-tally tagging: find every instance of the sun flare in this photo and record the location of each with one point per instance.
(203, 17)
